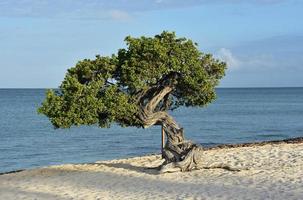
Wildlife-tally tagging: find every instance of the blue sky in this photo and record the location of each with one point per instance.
(261, 40)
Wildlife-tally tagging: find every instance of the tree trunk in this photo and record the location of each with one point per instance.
(179, 154)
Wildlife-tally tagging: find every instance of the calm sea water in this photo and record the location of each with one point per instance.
(27, 140)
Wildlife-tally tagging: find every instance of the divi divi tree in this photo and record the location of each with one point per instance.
(137, 87)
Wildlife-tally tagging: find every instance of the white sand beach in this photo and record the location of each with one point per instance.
(271, 171)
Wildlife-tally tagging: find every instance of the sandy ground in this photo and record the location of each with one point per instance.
(274, 171)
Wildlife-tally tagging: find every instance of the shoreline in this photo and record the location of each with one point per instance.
(220, 146)
(295, 140)
(270, 171)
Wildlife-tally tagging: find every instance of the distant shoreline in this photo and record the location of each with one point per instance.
(295, 140)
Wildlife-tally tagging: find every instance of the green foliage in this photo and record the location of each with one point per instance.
(104, 90)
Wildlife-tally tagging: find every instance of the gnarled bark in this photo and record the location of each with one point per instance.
(179, 154)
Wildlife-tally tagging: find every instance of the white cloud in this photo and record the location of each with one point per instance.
(248, 62)
(278, 53)
(227, 56)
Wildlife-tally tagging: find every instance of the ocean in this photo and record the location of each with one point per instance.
(28, 140)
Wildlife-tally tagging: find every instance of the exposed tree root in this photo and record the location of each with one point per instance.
(192, 161)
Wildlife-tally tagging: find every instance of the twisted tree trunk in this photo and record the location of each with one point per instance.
(179, 154)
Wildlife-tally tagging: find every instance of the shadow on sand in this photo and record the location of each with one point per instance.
(129, 167)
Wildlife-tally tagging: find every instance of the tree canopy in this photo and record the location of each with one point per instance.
(107, 89)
